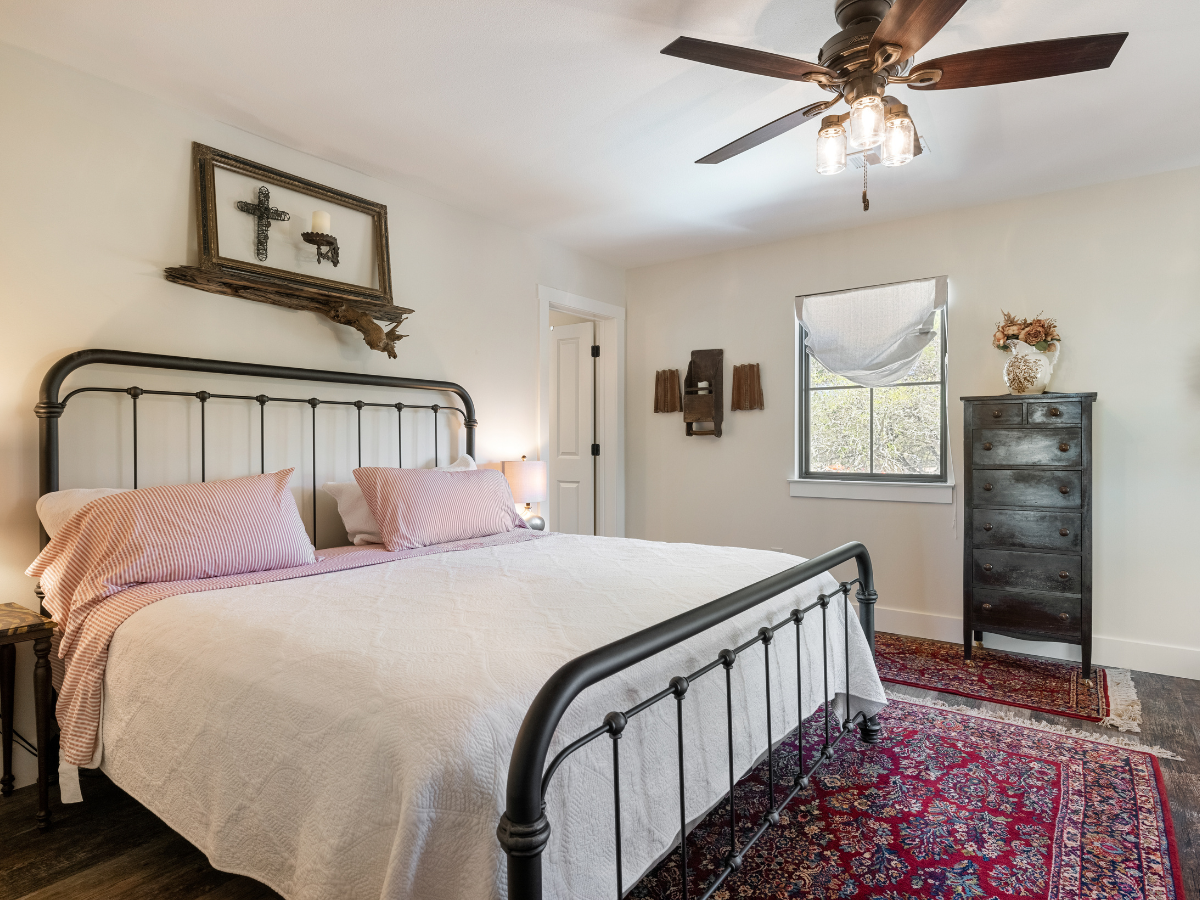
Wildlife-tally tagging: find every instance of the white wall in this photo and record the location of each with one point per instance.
(96, 200)
(1118, 265)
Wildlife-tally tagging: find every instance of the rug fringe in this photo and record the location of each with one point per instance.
(1012, 718)
(1124, 707)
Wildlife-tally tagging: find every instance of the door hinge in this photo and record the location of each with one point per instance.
(595, 449)
(595, 351)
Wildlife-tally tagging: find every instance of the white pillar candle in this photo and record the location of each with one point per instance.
(320, 222)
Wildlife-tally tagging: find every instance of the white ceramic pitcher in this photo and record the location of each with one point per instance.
(1028, 370)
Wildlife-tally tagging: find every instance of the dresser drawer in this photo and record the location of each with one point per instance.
(1050, 413)
(1054, 572)
(987, 414)
(1027, 446)
(1026, 487)
(1036, 613)
(1032, 530)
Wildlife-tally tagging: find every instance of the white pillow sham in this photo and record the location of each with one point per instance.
(360, 524)
(56, 507)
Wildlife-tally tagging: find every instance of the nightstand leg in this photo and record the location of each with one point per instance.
(8, 671)
(41, 696)
(1087, 661)
(967, 641)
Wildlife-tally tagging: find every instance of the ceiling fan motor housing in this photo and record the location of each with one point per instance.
(852, 12)
(849, 49)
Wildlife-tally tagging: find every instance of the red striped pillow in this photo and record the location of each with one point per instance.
(422, 507)
(171, 533)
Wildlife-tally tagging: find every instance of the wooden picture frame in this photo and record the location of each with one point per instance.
(224, 274)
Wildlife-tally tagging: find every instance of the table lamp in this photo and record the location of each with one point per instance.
(528, 483)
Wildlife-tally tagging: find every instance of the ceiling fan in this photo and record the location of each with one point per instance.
(874, 49)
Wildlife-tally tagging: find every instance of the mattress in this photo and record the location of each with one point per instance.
(347, 735)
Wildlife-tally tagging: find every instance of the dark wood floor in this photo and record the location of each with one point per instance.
(112, 847)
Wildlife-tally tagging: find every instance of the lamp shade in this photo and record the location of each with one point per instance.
(527, 480)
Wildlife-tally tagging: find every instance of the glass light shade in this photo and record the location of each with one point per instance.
(527, 480)
(866, 122)
(899, 138)
(831, 150)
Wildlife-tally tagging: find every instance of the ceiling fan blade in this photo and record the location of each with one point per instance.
(1023, 62)
(768, 131)
(756, 62)
(911, 24)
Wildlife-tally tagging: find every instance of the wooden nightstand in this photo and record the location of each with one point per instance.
(18, 624)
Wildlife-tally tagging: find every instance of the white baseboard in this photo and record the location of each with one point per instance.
(1162, 659)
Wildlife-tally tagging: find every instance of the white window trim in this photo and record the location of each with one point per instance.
(900, 491)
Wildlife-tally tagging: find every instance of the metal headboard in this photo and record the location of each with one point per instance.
(50, 408)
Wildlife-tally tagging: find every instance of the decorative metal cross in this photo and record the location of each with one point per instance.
(264, 212)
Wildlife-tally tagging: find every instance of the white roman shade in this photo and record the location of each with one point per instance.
(874, 335)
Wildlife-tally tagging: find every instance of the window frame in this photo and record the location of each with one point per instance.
(802, 464)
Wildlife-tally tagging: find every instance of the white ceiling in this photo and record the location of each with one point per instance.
(561, 117)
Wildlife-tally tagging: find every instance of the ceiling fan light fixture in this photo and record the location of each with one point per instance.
(899, 137)
(866, 122)
(831, 146)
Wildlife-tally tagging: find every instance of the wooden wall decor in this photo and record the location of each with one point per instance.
(703, 397)
(747, 387)
(358, 293)
(666, 391)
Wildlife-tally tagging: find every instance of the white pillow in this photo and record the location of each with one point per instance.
(361, 527)
(56, 507)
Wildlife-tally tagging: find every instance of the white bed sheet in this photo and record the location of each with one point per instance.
(348, 735)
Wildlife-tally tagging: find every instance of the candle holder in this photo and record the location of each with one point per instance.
(323, 241)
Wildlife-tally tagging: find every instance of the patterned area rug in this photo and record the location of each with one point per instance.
(1011, 679)
(949, 805)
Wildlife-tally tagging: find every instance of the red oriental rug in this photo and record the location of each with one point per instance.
(1026, 682)
(950, 805)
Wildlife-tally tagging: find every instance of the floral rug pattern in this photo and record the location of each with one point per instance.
(1013, 680)
(948, 806)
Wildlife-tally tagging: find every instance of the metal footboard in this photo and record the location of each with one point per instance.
(524, 829)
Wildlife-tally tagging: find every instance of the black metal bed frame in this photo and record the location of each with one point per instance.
(524, 830)
(50, 408)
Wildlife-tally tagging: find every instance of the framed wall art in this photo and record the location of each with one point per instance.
(277, 238)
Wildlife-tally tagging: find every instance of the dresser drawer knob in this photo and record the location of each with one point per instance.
(987, 487)
(996, 413)
(1063, 489)
(1064, 575)
(1064, 617)
(987, 567)
(1064, 531)
(987, 606)
(1055, 411)
(987, 446)
(1064, 447)
(987, 526)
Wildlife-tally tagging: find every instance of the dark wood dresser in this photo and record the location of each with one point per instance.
(1027, 567)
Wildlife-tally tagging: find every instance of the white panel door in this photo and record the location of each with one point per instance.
(572, 430)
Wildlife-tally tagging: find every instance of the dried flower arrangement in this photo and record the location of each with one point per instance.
(1040, 333)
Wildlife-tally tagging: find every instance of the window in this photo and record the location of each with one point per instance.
(894, 432)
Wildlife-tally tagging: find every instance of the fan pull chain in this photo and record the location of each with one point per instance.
(866, 202)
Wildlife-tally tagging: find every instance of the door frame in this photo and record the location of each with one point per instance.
(610, 401)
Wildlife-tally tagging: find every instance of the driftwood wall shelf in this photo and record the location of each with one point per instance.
(666, 391)
(747, 387)
(703, 397)
(361, 296)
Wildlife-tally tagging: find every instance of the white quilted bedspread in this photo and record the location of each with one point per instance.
(347, 736)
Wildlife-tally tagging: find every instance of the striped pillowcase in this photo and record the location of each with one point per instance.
(170, 533)
(423, 507)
